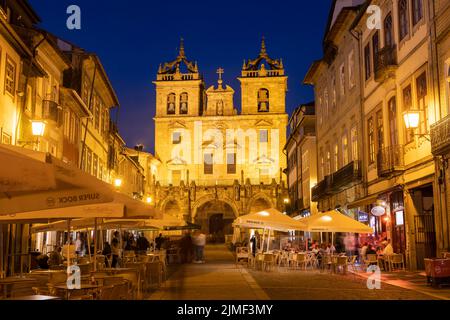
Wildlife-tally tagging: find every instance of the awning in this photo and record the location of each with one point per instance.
(334, 221)
(75, 193)
(19, 173)
(363, 202)
(269, 219)
(123, 223)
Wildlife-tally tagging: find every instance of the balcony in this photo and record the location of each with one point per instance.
(51, 111)
(390, 160)
(385, 63)
(440, 137)
(322, 189)
(347, 176)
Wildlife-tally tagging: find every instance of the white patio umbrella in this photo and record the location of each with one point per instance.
(333, 221)
(269, 219)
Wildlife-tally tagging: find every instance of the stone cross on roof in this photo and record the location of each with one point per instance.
(220, 71)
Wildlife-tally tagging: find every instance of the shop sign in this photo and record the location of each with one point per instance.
(378, 211)
(363, 216)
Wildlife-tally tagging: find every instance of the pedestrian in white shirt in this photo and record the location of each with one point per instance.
(199, 241)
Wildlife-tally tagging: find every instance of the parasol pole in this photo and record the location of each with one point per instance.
(268, 240)
(95, 244)
(1, 252)
(89, 244)
(68, 245)
(321, 240)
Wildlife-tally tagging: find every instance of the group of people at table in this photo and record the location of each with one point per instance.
(381, 248)
(128, 258)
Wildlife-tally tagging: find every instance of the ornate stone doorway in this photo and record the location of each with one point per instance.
(215, 218)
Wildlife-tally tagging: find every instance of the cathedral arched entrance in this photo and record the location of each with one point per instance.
(215, 218)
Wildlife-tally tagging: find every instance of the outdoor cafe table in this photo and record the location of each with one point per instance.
(83, 286)
(7, 282)
(116, 270)
(35, 298)
(153, 256)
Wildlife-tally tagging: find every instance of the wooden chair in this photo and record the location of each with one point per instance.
(259, 261)
(351, 263)
(268, 261)
(241, 254)
(327, 263)
(397, 260)
(340, 263)
(284, 259)
(299, 260)
(371, 259)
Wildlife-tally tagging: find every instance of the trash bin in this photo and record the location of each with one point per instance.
(438, 271)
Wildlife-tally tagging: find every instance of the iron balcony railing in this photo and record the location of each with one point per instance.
(51, 111)
(390, 160)
(385, 62)
(440, 137)
(322, 189)
(347, 176)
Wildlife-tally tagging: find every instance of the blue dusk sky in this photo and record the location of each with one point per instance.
(133, 37)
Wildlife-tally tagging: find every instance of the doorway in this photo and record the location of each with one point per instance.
(424, 228)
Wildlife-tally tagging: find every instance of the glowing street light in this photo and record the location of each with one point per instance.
(118, 182)
(38, 128)
(286, 200)
(411, 118)
(149, 200)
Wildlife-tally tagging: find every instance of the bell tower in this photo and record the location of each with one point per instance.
(263, 86)
(179, 88)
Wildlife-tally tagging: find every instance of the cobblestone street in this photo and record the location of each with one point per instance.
(221, 278)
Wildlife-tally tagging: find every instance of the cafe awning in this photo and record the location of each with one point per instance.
(334, 221)
(73, 193)
(123, 223)
(22, 173)
(269, 219)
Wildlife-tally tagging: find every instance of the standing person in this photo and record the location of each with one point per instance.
(107, 251)
(254, 242)
(159, 241)
(199, 242)
(115, 250)
(186, 248)
(142, 243)
(79, 245)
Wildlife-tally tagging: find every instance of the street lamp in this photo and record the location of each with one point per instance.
(411, 118)
(37, 128)
(117, 182)
(149, 200)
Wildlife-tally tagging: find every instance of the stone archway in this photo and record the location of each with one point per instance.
(172, 207)
(215, 216)
(259, 202)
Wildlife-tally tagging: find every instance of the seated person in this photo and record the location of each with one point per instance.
(56, 258)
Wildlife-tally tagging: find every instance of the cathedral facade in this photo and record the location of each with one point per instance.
(217, 163)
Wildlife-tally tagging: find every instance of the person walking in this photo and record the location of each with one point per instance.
(199, 243)
(186, 248)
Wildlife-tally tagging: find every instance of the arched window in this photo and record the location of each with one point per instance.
(403, 19)
(388, 31)
(171, 103)
(184, 103)
(263, 100)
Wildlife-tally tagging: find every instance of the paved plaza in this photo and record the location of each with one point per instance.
(221, 279)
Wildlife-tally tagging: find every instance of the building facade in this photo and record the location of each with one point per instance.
(400, 112)
(56, 98)
(339, 124)
(301, 150)
(216, 163)
(440, 131)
